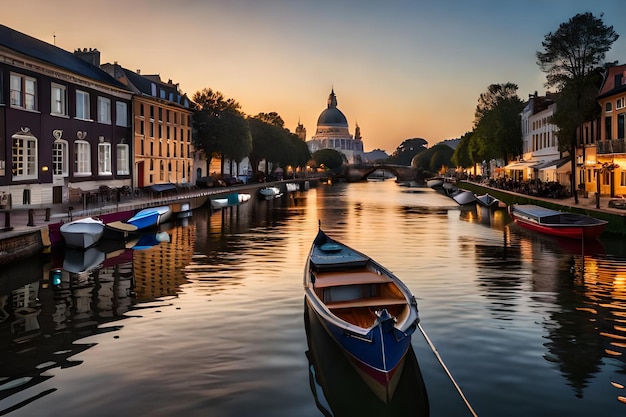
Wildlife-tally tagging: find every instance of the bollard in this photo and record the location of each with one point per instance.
(31, 217)
(7, 219)
(47, 214)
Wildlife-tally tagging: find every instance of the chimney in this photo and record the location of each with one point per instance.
(92, 56)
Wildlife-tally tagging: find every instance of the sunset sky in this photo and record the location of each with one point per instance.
(400, 69)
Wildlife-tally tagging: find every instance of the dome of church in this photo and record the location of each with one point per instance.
(332, 116)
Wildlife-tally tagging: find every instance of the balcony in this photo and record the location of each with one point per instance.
(613, 146)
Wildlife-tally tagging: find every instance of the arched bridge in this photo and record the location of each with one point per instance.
(361, 172)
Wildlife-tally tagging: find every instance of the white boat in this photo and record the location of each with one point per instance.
(82, 233)
(270, 192)
(291, 187)
(229, 200)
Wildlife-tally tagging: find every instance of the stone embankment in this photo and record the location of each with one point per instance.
(24, 231)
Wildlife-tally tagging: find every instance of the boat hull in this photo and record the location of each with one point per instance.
(347, 391)
(150, 217)
(82, 233)
(373, 330)
(556, 223)
(377, 357)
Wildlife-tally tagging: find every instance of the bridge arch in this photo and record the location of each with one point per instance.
(361, 172)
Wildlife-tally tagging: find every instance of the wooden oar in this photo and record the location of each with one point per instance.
(445, 368)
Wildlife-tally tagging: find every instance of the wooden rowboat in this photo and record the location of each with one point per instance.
(366, 309)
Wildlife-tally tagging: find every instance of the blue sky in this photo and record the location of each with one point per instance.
(400, 69)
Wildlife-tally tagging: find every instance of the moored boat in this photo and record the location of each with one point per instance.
(150, 217)
(230, 200)
(342, 392)
(557, 223)
(82, 233)
(487, 200)
(292, 186)
(435, 182)
(270, 192)
(366, 309)
(463, 197)
(118, 230)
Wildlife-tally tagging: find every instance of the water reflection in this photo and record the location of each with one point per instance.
(339, 391)
(525, 322)
(47, 307)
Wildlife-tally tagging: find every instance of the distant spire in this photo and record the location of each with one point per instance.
(332, 99)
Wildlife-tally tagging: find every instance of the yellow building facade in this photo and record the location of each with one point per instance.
(610, 159)
(162, 145)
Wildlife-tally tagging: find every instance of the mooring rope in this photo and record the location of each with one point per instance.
(445, 368)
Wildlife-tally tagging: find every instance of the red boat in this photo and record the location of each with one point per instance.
(557, 223)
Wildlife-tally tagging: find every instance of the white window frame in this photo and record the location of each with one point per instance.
(619, 103)
(23, 92)
(104, 159)
(82, 158)
(58, 100)
(24, 157)
(60, 158)
(104, 110)
(121, 113)
(123, 159)
(82, 105)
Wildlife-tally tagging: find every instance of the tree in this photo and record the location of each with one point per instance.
(497, 125)
(570, 58)
(461, 156)
(212, 122)
(404, 154)
(577, 48)
(432, 160)
(330, 158)
(268, 139)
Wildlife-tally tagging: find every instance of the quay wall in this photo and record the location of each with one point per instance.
(27, 236)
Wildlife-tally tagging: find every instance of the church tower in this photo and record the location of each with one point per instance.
(301, 131)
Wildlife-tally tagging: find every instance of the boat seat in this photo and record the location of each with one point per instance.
(366, 302)
(360, 276)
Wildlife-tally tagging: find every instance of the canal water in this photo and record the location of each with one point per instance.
(211, 321)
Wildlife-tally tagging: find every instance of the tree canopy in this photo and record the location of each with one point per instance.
(330, 158)
(433, 159)
(219, 126)
(497, 125)
(404, 153)
(575, 49)
(572, 59)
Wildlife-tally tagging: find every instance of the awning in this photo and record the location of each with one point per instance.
(553, 164)
(520, 165)
(160, 188)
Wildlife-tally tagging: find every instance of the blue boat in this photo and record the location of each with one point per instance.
(150, 217)
(366, 309)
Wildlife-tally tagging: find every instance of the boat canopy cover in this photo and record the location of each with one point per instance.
(329, 254)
